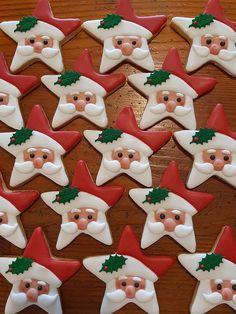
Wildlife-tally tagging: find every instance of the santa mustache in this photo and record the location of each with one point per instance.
(116, 54)
(213, 298)
(227, 55)
(180, 231)
(44, 300)
(7, 230)
(90, 109)
(119, 295)
(207, 168)
(202, 51)
(27, 167)
(29, 50)
(92, 227)
(161, 108)
(6, 110)
(136, 167)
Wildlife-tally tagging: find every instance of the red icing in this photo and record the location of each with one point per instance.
(83, 181)
(219, 123)
(44, 13)
(200, 84)
(172, 181)
(154, 139)
(38, 250)
(109, 82)
(20, 199)
(129, 245)
(153, 23)
(22, 82)
(226, 244)
(213, 7)
(38, 121)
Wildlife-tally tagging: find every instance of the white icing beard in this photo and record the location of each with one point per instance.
(28, 51)
(26, 167)
(94, 227)
(7, 230)
(229, 170)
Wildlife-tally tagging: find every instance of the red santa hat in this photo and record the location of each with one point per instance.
(15, 85)
(135, 263)
(19, 200)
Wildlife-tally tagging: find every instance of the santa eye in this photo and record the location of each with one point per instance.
(123, 283)
(120, 155)
(75, 98)
(45, 156)
(87, 98)
(212, 157)
(131, 156)
(40, 287)
(162, 216)
(27, 285)
(32, 40)
(208, 41)
(134, 43)
(45, 42)
(177, 217)
(90, 217)
(1, 220)
(226, 158)
(1, 99)
(119, 42)
(222, 43)
(166, 98)
(136, 284)
(234, 287)
(219, 286)
(179, 99)
(76, 217)
(32, 155)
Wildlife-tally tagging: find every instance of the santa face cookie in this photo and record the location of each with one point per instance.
(82, 92)
(39, 37)
(170, 209)
(38, 150)
(216, 274)
(170, 92)
(126, 149)
(83, 207)
(12, 88)
(36, 276)
(212, 37)
(125, 36)
(213, 149)
(129, 275)
(12, 204)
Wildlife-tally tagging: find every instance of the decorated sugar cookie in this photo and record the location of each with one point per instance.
(213, 149)
(170, 208)
(36, 276)
(13, 87)
(129, 275)
(39, 37)
(125, 36)
(82, 92)
(126, 149)
(170, 92)
(83, 207)
(38, 150)
(212, 37)
(12, 204)
(216, 274)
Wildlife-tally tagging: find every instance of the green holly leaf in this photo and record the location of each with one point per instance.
(66, 195)
(202, 20)
(68, 78)
(157, 77)
(110, 21)
(20, 265)
(20, 136)
(203, 136)
(156, 195)
(113, 263)
(209, 262)
(109, 135)
(26, 24)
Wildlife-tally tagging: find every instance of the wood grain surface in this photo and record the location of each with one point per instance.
(84, 292)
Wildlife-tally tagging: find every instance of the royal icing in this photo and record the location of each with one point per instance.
(82, 91)
(38, 150)
(125, 36)
(170, 208)
(39, 37)
(170, 92)
(213, 38)
(213, 149)
(129, 275)
(126, 149)
(83, 207)
(36, 276)
(215, 272)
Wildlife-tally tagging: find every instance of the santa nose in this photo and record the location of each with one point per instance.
(125, 163)
(32, 295)
(218, 165)
(80, 105)
(38, 162)
(170, 106)
(82, 224)
(214, 49)
(130, 292)
(127, 49)
(169, 224)
(227, 294)
(38, 46)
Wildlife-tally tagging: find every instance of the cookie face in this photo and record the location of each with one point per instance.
(215, 272)
(129, 276)
(39, 37)
(125, 36)
(213, 38)
(38, 150)
(170, 92)
(126, 149)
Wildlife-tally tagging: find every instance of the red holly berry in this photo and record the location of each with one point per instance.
(58, 198)
(149, 199)
(13, 139)
(105, 267)
(18, 26)
(196, 139)
(202, 266)
(100, 136)
(59, 81)
(195, 22)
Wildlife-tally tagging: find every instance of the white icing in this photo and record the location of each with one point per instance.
(11, 114)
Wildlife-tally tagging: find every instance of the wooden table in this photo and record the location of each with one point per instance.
(84, 292)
